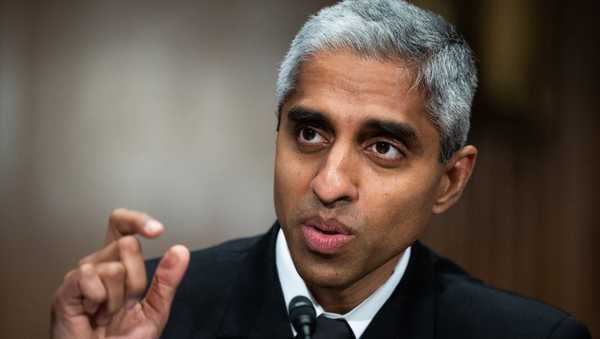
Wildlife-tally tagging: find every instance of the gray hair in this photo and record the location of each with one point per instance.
(392, 29)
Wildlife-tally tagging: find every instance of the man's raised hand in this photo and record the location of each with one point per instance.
(103, 296)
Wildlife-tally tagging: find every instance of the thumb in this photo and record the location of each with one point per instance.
(168, 275)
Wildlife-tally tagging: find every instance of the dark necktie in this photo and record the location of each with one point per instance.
(327, 328)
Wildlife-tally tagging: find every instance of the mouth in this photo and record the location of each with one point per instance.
(325, 236)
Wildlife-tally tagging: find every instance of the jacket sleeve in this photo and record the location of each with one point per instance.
(570, 328)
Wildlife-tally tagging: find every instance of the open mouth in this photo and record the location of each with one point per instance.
(329, 232)
(325, 238)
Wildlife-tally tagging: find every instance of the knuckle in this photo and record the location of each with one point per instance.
(116, 213)
(114, 270)
(86, 268)
(129, 244)
(97, 295)
(164, 290)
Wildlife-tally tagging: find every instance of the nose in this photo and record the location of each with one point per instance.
(335, 182)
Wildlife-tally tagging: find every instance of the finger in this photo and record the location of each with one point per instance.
(109, 252)
(112, 275)
(67, 299)
(130, 252)
(168, 275)
(81, 292)
(93, 291)
(126, 222)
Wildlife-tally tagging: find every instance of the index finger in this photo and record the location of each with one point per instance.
(124, 222)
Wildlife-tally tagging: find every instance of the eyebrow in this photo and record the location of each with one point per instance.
(402, 132)
(300, 115)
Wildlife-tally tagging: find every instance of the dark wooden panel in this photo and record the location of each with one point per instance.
(528, 221)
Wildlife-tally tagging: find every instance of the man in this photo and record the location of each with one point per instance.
(374, 104)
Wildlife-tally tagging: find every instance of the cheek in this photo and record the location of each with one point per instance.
(290, 175)
(293, 175)
(399, 210)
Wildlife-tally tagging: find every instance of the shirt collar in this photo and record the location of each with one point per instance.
(359, 317)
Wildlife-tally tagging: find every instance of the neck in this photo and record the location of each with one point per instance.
(343, 300)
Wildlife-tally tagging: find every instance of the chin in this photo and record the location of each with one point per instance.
(328, 274)
(324, 281)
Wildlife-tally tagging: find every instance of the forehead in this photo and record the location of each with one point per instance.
(362, 77)
(351, 89)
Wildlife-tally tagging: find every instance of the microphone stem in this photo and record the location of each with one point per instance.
(306, 330)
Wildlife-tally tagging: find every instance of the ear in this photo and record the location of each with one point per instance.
(457, 172)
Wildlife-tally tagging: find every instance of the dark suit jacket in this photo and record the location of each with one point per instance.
(232, 291)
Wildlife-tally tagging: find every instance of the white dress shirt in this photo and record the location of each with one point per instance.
(359, 317)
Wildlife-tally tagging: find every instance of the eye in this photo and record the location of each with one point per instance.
(385, 150)
(308, 135)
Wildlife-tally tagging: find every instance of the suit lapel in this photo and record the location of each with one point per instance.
(409, 313)
(256, 307)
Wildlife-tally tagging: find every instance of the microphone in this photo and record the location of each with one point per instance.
(302, 315)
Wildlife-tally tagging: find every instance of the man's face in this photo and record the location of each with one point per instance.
(356, 170)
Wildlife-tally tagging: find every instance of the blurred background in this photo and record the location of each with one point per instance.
(168, 108)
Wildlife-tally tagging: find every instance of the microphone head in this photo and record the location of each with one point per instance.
(302, 315)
